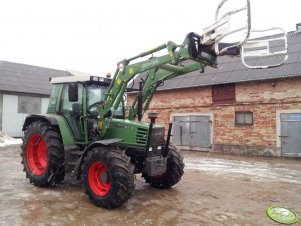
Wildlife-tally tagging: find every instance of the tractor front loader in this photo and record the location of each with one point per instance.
(87, 134)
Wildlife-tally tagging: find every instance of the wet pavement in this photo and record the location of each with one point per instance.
(215, 190)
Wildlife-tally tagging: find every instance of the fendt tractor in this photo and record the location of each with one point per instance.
(88, 132)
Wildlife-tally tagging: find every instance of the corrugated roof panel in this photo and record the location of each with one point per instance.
(268, 60)
(191, 74)
(203, 79)
(221, 77)
(227, 59)
(222, 59)
(237, 75)
(227, 67)
(292, 70)
(240, 67)
(168, 84)
(181, 82)
(293, 48)
(209, 70)
(293, 58)
(297, 70)
(299, 58)
(23, 78)
(278, 71)
(250, 62)
(191, 81)
(253, 75)
(293, 37)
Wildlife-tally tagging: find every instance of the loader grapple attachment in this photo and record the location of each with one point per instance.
(232, 25)
(266, 48)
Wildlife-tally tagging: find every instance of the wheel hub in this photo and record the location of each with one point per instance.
(99, 179)
(36, 154)
(104, 177)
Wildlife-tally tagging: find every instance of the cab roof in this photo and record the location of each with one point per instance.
(75, 76)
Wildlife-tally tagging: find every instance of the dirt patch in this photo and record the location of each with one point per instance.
(215, 190)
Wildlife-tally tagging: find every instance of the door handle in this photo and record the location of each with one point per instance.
(283, 136)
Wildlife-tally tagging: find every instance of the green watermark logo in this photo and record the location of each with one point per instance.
(282, 215)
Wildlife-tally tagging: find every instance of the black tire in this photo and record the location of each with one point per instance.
(43, 154)
(173, 174)
(108, 177)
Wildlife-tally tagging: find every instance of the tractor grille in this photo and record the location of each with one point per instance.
(141, 136)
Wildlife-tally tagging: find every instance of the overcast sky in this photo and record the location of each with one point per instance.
(93, 35)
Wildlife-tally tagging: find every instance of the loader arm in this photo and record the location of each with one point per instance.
(160, 69)
(201, 50)
(154, 78)
(200, 57)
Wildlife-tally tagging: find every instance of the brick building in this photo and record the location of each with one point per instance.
(234, 109)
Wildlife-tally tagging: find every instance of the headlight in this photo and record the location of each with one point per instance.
(150, 149)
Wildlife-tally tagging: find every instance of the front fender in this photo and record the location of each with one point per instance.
(88, 148)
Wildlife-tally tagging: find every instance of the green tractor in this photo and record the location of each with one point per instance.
(86, 132)
(68, 140)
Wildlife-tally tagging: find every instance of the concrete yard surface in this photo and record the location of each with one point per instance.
(215, 190)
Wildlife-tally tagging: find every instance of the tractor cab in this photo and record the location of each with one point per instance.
(77, 98)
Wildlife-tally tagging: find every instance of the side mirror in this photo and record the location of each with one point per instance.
(73, 92)
(265, 48)
(232, 25)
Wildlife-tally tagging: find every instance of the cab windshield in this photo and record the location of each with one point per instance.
(96, 93)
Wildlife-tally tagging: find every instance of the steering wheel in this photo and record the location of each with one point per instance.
(94, 105)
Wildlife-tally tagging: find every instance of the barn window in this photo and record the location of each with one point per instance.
(29, 105)
(243, 118)
(223, 94)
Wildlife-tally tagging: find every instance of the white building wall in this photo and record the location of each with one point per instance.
(12, 121)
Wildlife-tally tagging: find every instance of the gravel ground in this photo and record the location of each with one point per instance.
(215, 190)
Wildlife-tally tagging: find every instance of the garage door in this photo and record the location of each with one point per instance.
(290, 134)
(192, 132)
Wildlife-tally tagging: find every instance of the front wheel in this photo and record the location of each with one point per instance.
(173, 174)
(108, 177)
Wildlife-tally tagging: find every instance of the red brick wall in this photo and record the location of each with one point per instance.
(263, 98)
(285, 90)
(179, 101)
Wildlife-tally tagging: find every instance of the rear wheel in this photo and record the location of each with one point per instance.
(173, 174)
(43, 154)
(108, 177)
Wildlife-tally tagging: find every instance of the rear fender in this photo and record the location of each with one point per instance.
(53, 120)
(32, 118)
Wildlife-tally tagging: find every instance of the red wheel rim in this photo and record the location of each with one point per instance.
(36, 154)
(99, 179)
